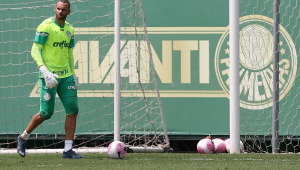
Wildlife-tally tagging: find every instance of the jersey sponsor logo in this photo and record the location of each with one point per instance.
(256, 62)
(61, 44)
(72, 87)
(61, 72)
(42, 34)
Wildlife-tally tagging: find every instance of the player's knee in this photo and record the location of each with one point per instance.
(47, 114)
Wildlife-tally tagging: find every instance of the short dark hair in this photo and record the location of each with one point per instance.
(65, 1)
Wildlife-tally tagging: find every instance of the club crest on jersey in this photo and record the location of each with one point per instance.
(69, 34)
(256, 62)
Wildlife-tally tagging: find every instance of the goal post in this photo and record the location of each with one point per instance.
(276, 16)
(234, 76)
(117, 83)
(118, 94)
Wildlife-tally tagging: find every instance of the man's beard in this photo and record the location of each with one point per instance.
(61, 18)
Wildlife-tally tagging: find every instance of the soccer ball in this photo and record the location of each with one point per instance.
(227, 143)
(116, 150)
(220, 146)
(205, 146)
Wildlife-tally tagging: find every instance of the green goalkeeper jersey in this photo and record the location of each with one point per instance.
(56, 41)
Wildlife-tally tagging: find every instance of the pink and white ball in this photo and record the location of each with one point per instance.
(220, 146)
(116, 150)
(227, 143)
(205, 146)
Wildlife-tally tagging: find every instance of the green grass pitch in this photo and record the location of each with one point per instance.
(157, 161)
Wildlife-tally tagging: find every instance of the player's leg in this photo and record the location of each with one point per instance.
(47, 101)
(35, 121)
(70, 125)
(68, 96)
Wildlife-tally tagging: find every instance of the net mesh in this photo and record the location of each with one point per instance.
(93, 22)
(256, 75)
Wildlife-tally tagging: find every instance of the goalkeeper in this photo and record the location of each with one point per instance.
(53, 54)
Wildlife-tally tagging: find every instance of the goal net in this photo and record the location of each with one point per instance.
(256, 76)
(141, 118)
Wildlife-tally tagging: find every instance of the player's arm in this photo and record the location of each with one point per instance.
(71, 59)
(49, 77)
(71, 63)
(36, 53)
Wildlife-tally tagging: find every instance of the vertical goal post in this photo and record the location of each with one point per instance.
(117, 83)
(276, 16)
(234, 76)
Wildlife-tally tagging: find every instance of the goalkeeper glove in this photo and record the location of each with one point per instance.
(49, 77)
(75, 80)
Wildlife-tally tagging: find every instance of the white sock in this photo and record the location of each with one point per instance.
(68, 145)
(25, 135)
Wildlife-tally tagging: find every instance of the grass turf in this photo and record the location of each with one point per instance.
(138, 161)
